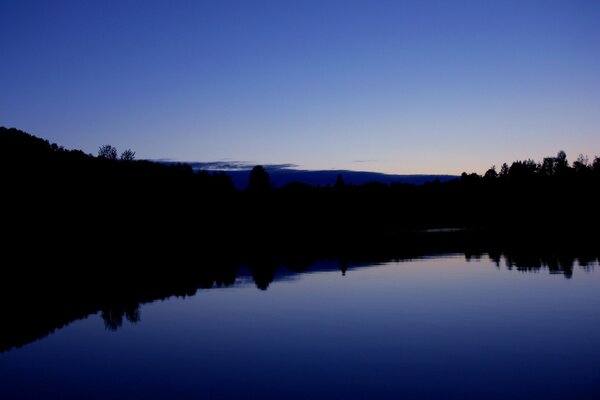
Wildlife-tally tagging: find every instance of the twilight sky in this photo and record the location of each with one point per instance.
(417, 86)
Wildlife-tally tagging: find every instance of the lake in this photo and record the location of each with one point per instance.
(436, 327)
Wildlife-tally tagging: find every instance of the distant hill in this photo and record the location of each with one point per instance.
(280, 177)
(283, 174)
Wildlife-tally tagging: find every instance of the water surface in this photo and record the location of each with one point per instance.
(436, 327)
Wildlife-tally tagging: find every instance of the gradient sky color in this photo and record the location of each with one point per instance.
(392, 86)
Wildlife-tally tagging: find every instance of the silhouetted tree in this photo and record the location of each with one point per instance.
(128, 155)
(596, 164)
(523, 169)
(469, 178)
(107, 151)
(491, 173)
(57, 148)
(552, 166)
(339, 182)
(562, 165)
(582, 165)
(260, 181)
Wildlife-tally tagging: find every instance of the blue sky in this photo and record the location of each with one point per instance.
(391, 86)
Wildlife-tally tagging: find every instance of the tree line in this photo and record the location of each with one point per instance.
(112, 196)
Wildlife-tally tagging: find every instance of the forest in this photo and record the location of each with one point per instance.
(114, 197)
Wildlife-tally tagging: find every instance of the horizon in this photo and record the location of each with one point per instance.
(392, 87)
(229, 165)
(233, 166)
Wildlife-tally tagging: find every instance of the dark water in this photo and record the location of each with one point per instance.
(439, 327)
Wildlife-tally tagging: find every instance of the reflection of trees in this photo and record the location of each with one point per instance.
(113, 316)
(53, 301)
(263, 270)
(533, 263)
(495, 257)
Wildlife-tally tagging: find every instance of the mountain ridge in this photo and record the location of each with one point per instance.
(282, 174)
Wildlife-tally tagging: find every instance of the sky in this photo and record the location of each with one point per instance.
(399, 87)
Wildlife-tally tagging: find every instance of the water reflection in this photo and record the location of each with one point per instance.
(454, 325)
(113, 316)
(32, 309)
(553, 263)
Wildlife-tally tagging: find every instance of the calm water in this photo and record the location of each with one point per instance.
(437, 328)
